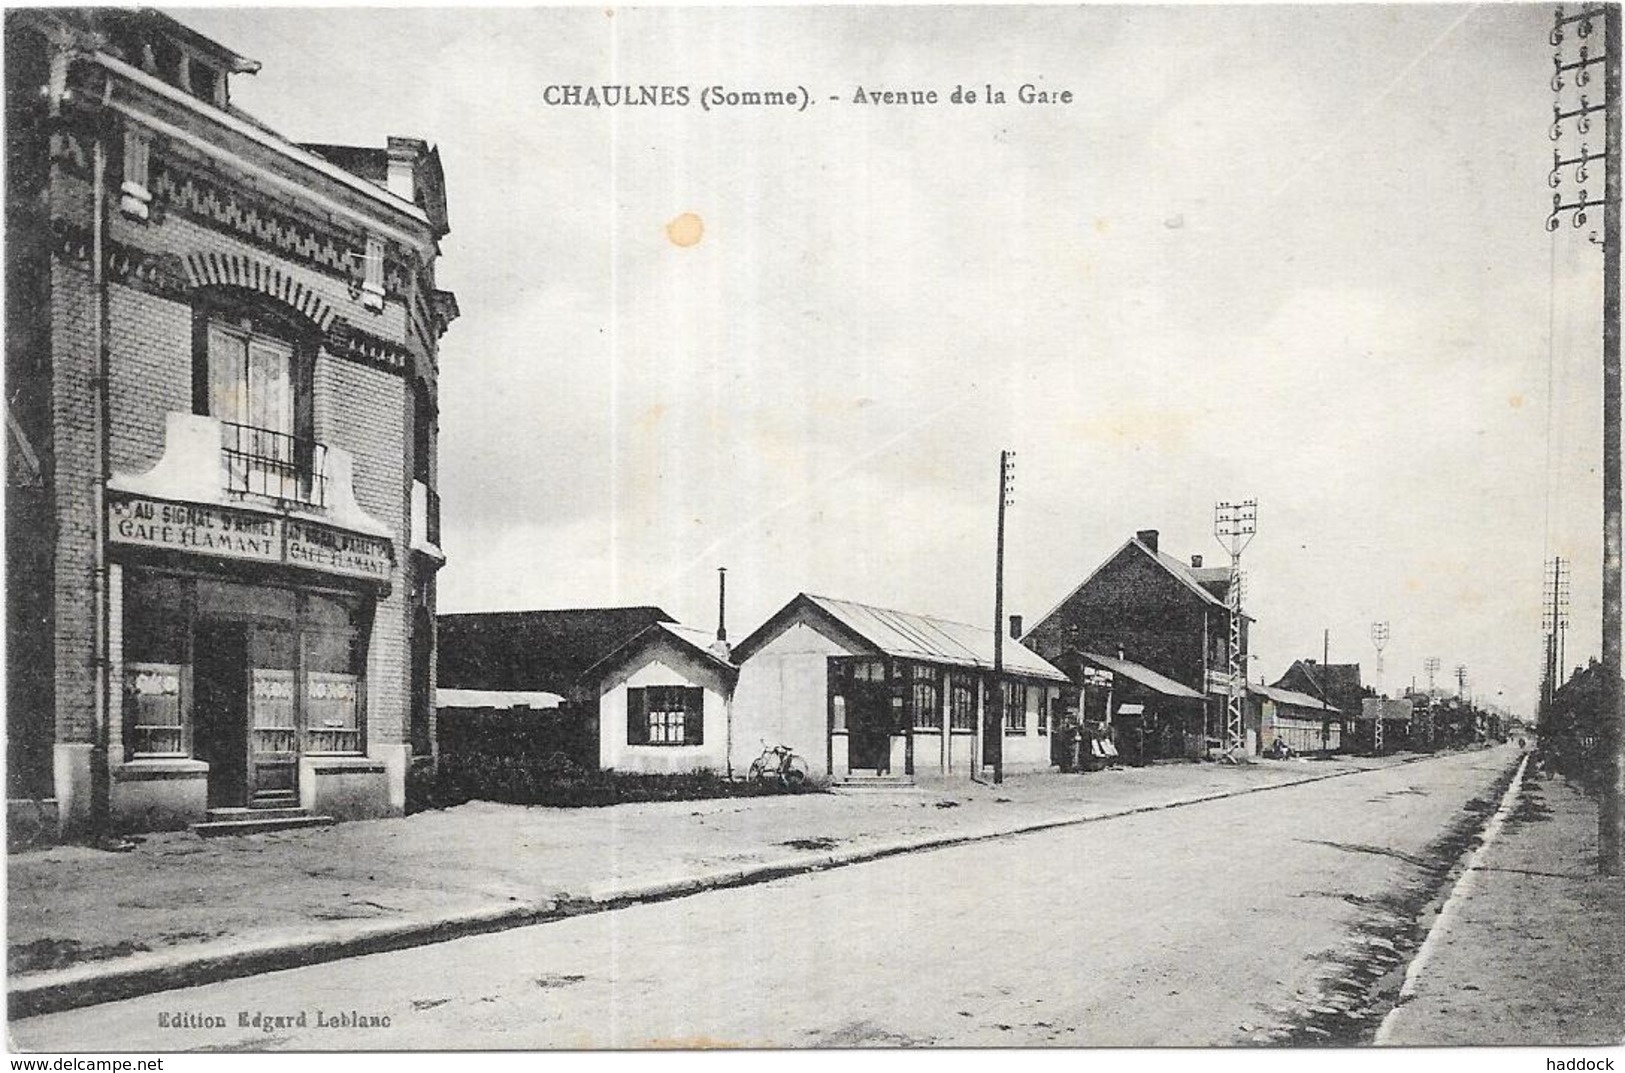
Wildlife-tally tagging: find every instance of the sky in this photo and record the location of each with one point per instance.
(1289, 253)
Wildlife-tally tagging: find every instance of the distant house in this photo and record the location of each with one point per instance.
(635, 691)
(1162, 617)
(861, 689)
(1297, 719)
(1395, 716)
(1338, 684)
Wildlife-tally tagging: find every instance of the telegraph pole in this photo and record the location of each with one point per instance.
(1431, 665)
(994, 734)
(1234, 525)
(1576, 72)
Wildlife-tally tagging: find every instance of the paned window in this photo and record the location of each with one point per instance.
(924, 695)
(665, 715)
(962, 712)
(1015, 707)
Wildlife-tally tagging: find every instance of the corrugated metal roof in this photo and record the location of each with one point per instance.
(935, 640)
(1145, 676)
(1291, 697)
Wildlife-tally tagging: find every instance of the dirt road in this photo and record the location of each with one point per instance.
(1229, 922)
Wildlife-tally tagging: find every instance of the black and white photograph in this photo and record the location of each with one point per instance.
(856, 527)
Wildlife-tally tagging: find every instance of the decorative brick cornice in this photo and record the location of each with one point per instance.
(345, 340)
(250, 273)
(162, 274)
(259, 221)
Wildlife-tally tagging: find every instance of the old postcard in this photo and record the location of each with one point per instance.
(794, 527)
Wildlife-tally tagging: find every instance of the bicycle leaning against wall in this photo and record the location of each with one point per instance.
(779, 764)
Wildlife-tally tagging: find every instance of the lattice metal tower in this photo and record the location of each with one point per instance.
(1234, 525)
(1555, 625)
(1379, 637)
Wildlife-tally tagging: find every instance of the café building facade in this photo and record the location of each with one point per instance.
(223, 530)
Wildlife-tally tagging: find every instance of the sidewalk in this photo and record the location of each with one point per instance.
(87, 925)
(1533, 951)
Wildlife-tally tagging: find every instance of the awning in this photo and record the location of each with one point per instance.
(1145, 676)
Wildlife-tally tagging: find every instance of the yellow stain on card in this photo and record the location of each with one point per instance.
(1516, 402)
(651, 417)
(685, 230)
(1102, 225)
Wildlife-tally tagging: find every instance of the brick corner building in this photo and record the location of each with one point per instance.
(221, 356)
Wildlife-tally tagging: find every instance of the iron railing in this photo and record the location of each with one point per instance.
(263, 462)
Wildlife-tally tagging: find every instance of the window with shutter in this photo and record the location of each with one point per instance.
(694, 716)
(637, 717)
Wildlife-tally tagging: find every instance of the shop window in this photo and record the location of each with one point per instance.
(333, 665)
(155, 709)
(252, 372)
(157, 667)
(665, 715)
(1015, 707)
(962, 702)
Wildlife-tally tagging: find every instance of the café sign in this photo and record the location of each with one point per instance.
(195, 527)
(225, 532)
(338, 551)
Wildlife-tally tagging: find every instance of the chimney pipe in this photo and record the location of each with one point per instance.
(1196, 562)
(722, 604)
(1015, 627)
(1148, 537)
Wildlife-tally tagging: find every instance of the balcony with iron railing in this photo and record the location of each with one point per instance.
(276, 465)
(261, 473)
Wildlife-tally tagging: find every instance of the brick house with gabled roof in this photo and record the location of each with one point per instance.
(1149, 608)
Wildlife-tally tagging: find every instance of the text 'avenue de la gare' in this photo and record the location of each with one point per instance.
(796, 98)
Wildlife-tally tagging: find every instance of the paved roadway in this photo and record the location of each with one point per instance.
(1178, 926)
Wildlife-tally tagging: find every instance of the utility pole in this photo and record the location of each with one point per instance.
(1461, 681)
(1325, 680)
(1581, 26)
(1379, 637)
(1233, 526)
(994, 734)
(1431, 665)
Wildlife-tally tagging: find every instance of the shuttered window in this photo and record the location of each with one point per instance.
(665, 715)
